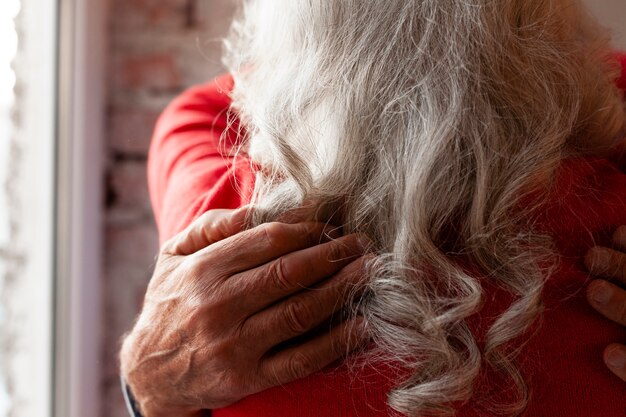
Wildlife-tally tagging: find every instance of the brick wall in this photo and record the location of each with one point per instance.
(156, 49)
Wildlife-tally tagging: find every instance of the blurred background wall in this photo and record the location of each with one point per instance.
(611, 13)
(156, 49)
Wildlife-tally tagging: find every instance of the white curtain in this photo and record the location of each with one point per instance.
(26, 206)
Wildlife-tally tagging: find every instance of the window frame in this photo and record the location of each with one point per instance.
(79, 201)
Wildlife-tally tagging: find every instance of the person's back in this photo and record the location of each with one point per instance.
(445, 131)
(561, 359)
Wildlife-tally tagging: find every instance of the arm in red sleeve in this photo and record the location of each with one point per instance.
(190, 170)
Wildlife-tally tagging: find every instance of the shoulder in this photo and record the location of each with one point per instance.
(587, 201)
(191, 164)
(196, 103)
(217, 90)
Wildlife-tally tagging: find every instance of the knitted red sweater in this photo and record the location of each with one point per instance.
(189, 174)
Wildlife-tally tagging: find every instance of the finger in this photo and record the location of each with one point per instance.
(262, 244)
(615, 359)
(211, 227)
(608, 299)
(271, 282)
(607, 262)
(300, 361)
(307, 309)
(619, 238)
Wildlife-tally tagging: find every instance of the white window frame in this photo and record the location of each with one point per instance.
(79, 202)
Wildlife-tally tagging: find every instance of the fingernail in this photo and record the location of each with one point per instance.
(601, 293)
(616, 358)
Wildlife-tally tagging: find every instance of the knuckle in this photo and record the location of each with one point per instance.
(312, 233)
(193, 272)
(299, 365)
(168, 246)
(192, 268)
(273, 233)
(337, 251)
(206, 268)
(297, 317)
(279, 275)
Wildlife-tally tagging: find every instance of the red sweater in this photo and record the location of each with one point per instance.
(189, 175)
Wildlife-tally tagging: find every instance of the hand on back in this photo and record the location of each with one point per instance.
(608, 295)
(222, 302)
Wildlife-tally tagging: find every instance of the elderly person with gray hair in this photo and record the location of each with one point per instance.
(385, 209)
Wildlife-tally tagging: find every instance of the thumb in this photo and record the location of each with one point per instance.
(210, 227)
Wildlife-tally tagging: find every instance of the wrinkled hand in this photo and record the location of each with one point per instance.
(221, 303)
(609, 298)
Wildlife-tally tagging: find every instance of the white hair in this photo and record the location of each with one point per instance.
(435, 127)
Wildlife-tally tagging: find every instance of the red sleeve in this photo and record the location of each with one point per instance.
(189, 170)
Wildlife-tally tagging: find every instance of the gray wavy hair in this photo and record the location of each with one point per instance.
(424, 124)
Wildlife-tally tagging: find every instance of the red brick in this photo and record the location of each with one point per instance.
(155, 71)
(215, 16)
(140, 15)
(143, 67)
(128, 192)
(131, 252)
(130, 256)
(130, 129)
